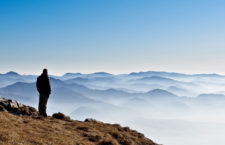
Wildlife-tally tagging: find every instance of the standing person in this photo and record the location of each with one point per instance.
(44, 89)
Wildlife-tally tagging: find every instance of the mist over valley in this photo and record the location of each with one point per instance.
(166, 107)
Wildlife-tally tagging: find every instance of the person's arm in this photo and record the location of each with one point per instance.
(38, 84)
(49, 85)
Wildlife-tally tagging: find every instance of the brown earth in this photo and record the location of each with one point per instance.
(36, 130)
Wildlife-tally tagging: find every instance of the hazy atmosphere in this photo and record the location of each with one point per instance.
(170, 108)
(117, 36)
(157, 66)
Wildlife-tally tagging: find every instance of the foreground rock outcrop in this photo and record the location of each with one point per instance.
(14, 107)
(21, 124)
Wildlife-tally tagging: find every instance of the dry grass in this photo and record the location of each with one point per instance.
(25, 130)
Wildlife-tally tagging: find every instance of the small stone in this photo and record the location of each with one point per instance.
(83, 128)
(25, 110)
(20, 105)
(1, 99)
(32, 109)
(93, 137)
(107, 143)
(13, 104)
(4, 103)
(2, 109)
(91, 120)
(60, 116)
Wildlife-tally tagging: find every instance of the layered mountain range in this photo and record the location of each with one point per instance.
(137, 99)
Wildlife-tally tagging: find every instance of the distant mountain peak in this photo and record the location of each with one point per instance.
(160, 92)
(102, 73)
(56, 81)
(158, 78)
(12, 73)
(208, 75)
(210, 95)
(69, 74)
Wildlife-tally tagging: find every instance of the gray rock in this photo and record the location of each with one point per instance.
(20, 105)
(4, 103)
(16, 108)
(91, 120)
(2, 108)
(3, 99)
(13, 104)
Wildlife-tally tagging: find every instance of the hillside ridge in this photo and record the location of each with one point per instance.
(21, 124)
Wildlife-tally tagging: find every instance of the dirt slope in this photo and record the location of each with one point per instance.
(36, 130)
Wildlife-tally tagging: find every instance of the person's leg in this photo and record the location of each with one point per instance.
(44, 105)
(41, 97)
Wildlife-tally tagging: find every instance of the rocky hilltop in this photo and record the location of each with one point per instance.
(21, 124)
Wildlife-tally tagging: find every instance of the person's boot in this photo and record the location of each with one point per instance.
(45, 115)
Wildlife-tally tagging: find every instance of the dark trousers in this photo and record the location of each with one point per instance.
(43, 100)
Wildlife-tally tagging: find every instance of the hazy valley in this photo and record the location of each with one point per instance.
(167, 107)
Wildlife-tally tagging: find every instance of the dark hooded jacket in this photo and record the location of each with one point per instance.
(43, 84)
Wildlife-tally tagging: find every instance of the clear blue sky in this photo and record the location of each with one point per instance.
(117, 36)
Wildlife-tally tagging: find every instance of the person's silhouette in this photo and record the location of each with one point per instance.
(44, 89)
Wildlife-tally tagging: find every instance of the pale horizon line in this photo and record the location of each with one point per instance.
(85, 73)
